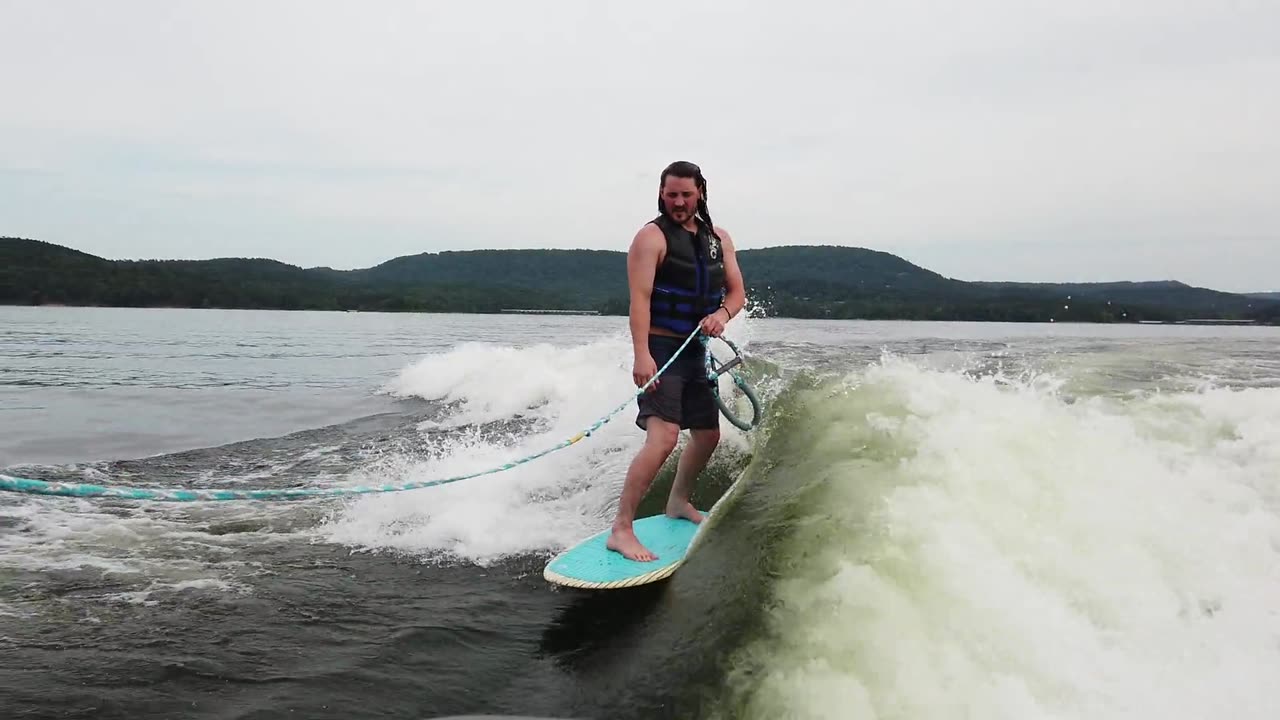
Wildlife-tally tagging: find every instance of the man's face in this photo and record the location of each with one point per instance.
(680, 198)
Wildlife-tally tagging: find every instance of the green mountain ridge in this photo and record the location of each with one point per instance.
(803, 281)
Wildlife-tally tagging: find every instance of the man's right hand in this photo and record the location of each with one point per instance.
(644, 369)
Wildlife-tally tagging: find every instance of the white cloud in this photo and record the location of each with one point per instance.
(1029, 141)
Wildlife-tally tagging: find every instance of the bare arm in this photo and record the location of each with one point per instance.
(642, 264)
(735, 296)
(735, 289)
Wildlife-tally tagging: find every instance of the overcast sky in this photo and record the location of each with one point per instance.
(1020, 140)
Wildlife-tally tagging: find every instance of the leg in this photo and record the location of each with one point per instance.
(694, 458)
(660, 440)
(702, 417)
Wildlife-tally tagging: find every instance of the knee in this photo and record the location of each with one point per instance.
(664, 438)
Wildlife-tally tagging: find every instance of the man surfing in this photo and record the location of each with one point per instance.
(683, 274)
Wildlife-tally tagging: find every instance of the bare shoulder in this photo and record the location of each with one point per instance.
(725, 238)
(649, 232)
(649, 245)
(648, 237)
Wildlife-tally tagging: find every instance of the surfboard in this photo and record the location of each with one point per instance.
(592, 566)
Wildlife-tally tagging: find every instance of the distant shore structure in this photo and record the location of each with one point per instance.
(1199, 321)
(524, 311)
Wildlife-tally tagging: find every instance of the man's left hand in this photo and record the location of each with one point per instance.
(713, 324)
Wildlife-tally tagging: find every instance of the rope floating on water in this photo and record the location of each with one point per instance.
(83, 490)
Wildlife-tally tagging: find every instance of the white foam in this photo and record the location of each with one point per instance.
(541, 506)
(981, 548)
(158, 548)
(495, 382)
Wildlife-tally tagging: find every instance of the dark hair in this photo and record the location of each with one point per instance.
(686, 169)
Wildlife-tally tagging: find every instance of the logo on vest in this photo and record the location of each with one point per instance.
(713, 247)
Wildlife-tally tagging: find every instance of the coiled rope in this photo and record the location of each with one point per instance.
(66, 489)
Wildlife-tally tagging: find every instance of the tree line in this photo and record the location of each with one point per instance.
(794, 281)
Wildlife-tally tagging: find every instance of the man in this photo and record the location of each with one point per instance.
(683, 274)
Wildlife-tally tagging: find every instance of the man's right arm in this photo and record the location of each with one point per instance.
(642, 264)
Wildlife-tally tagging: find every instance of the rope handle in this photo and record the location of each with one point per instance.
(713, 377)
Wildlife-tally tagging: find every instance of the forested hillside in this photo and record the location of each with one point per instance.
(793, 281)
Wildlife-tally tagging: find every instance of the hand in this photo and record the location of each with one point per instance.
(712, 325)
(644, 369)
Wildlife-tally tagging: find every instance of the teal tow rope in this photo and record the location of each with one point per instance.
(41, 487)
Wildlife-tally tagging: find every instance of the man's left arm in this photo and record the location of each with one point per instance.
(735, 297)
(735, 290)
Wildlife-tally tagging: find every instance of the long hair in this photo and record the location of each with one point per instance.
(686, 169)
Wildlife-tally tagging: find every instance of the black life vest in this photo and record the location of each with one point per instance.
(689, 284)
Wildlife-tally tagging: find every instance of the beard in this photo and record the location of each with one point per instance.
(680, 215)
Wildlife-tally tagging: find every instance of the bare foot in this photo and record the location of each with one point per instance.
(626, 542)
(684, 510)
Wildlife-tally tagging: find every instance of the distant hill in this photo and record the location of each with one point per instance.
(583, 278)
(1168, 294)
(793, 281)
(1264, 295)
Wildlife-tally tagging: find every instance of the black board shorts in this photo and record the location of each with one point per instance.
(683, 395)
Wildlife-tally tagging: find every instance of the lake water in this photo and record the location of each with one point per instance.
(935, 520)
